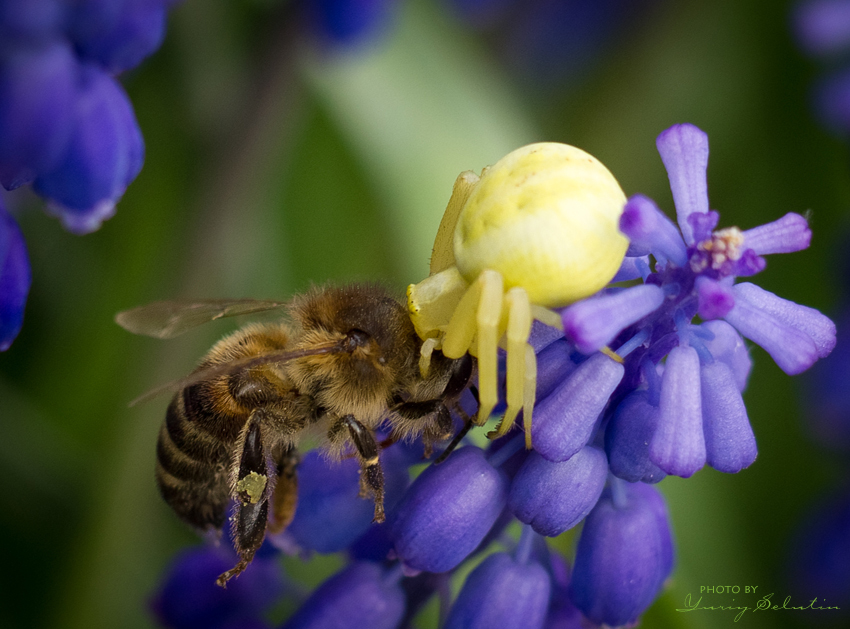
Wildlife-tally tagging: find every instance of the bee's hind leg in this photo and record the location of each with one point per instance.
(371, 474)
(251, 487)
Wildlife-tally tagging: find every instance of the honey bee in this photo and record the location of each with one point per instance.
(346, 363)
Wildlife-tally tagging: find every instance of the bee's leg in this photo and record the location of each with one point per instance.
(442, 426)
(285, 497)
(371, 474)
(468, 423)
(251, 488)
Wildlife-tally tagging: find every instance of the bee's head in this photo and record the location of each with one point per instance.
(377, 341)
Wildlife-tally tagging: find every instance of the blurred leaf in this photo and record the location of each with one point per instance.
(417, 110)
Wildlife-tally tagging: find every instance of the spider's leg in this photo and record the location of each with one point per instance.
(518, 329)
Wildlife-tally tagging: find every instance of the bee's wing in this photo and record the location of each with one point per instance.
(167, 319)
(238, 364)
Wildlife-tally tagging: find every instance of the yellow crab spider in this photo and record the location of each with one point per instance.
(537, 230)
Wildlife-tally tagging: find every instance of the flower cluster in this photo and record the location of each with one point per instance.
(822, 28)
(675, 416)
(67, 126)
(663, 396)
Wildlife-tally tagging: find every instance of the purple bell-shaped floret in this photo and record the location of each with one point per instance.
(448, 510)
(624, 555)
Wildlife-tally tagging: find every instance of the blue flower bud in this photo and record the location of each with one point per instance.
(190, 599)
(728, 346)
(104, 154)
(729, 441)
(627, 439)
(448, 510)
(624, 554)
(347, 22)
(38, 91)
(362, 596)
(594, 322)
(554, 364)
(331, 514)
(564, 421)
(678, 446)
(15, 279)
(553, 497)
(125, 37)
(31, 20)
(502, 592)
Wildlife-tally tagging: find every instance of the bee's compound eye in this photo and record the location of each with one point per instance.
(355, 338)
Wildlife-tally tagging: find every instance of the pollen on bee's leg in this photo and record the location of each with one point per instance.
(488, 318)
(519, 327)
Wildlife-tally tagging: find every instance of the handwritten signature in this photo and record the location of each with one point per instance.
(764, 604)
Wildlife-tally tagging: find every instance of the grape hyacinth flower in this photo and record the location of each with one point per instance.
(673, 417)
(67, 127)
(189, 599)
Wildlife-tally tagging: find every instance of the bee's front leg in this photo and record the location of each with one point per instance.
(371, 473)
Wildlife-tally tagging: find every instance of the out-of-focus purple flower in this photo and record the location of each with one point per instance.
(551, 41)
(38, 92)
(696, 405)
(347, 22)
(118, 34)
(14, 278)
(331, 514)
(34, 20)
(819, 564)
(822, 27)
(503, 591)
(624, 554)
(360, 596)
(440, 521)
(827, 407)
(105, 153)
(66, 124)
(189, 598)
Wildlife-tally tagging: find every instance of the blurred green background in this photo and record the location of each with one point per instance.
(273, 165)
